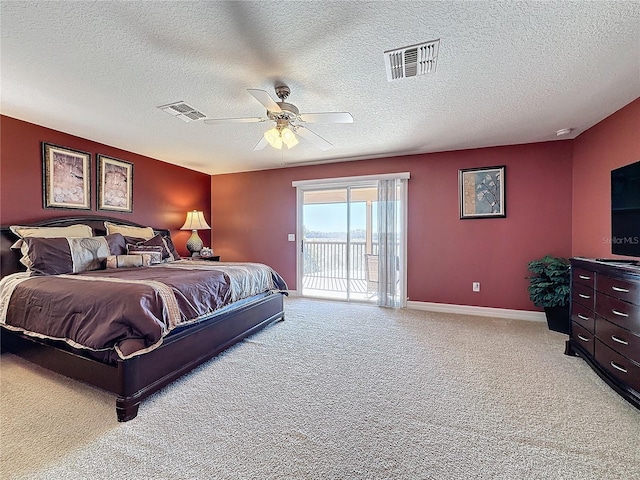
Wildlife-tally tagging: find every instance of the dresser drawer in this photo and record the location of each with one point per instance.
(582, 337)
(622, 289)
(618, 339)
(616, 311)
(619, 366)
(583, 317)
(582, 294)
(585, 277)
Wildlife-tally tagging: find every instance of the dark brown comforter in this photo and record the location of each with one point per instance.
(127, 310)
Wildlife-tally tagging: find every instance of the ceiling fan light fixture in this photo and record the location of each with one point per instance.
(288, 137)
(273, 137)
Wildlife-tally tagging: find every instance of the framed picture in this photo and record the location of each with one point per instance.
(66, 177)
(482, 192)
(115, 185)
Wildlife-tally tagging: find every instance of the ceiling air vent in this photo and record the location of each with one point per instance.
(411, 61)
(183, 111)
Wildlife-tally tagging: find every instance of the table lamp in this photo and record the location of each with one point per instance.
(195, 221)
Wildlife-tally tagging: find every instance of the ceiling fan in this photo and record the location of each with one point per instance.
(288, 120)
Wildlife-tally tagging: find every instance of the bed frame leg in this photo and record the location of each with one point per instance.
(125, 410)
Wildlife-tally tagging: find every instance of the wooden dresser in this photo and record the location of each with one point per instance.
(605, 322)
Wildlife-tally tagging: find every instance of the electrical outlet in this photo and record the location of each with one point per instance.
(291, 237)
(476, 286)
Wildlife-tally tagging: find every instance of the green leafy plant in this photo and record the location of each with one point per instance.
(549, 284)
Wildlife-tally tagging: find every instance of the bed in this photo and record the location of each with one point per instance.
(139, 371)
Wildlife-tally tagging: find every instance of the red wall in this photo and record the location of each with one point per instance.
(162, 193)
(557, 201)
(253, 212)
(610, 144)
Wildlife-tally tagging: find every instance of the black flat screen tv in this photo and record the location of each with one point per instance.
(625, 210)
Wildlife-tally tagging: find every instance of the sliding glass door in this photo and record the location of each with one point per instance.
(325, 219)
(352, 238)
(337, 235)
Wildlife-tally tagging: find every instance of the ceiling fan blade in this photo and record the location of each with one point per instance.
(265, 99)
(314, 138)
(326, 117)
(216, 121)
(261, 144)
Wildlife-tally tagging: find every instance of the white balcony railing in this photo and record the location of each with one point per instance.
(329, 259)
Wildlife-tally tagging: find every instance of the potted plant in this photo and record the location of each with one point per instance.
(549, 289)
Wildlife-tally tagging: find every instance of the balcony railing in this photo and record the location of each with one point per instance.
(329, 259)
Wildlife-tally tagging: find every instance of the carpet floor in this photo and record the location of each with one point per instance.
(338, 391)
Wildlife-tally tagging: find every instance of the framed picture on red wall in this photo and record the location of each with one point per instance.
(115, 184)
(66, 177)
(481, 192)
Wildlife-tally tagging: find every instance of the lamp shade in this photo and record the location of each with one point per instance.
(195, 221)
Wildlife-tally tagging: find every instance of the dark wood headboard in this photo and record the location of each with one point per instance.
(10, 259)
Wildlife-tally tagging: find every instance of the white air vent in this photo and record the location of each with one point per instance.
(411, 61)
(183, 111)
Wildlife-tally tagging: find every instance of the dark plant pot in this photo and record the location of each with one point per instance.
(558, 319)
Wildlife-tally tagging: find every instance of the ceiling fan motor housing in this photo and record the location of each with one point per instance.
(288, 112)
(282, 123)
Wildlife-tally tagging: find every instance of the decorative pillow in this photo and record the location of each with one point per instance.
(129, 231)
(128, 261)
(172, 249)
(164, 241)
(154, 251)
(53, 256)
(155, 241)
(21, 231)
(117, 244)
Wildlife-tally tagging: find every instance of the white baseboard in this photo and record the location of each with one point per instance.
(466, 310)
(479, 311)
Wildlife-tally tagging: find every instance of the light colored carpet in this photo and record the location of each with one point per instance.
(339, 391)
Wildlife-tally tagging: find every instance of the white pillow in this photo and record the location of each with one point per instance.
(50, 232)
(129, 231)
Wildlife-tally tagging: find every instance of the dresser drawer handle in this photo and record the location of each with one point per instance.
(584, 339)
(582, 317)
(619, 340)
(618, 289)
(582, 295)
(618, 367)
(620, 314)
(584, 277)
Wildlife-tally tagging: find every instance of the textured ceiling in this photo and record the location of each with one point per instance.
(507, 73)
